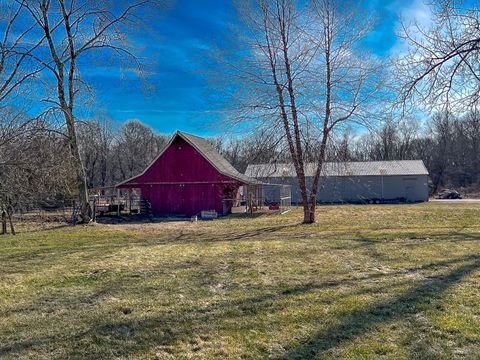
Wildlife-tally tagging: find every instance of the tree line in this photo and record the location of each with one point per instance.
(448, 145)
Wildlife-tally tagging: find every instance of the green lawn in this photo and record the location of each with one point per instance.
(379, 281)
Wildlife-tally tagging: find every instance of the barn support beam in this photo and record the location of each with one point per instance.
(118, 202)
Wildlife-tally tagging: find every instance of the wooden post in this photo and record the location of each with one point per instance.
(245, 196)
(250, 201)
(94, 217)
(74, 213)
(118, 202)
(129, 201)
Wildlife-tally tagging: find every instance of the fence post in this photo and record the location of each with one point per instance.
(130, 201)
(118, 202)
(94, 208)
(74, 213)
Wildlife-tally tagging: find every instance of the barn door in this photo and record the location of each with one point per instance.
(409, 184)
(229, 197)
(409, 193)
(177, 201)
(182, 203)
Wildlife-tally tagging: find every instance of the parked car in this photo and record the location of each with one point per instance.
(448, 194)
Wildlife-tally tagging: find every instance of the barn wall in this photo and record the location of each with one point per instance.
(181, 162)
(413, 188)
(361, 188)
(185, 199)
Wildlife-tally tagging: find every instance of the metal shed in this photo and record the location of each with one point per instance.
(354, 182)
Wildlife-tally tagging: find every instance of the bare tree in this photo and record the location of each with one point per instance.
(34, 163)
(17, 43)
(256, 148)
(441, 68)
(72, 29)
(96, 139)
(447, 143)
(304, 76)
(472, 131)
(136, 145)
(12, 127)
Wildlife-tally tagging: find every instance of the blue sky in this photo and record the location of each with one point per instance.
(179, 97)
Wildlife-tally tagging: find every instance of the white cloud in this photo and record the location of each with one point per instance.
(411, 14)
(418, 12)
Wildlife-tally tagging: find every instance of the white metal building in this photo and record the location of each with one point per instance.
(353, 182)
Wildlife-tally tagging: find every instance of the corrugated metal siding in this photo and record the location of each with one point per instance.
(338, 189)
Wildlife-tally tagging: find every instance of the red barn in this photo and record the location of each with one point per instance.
(187, 177)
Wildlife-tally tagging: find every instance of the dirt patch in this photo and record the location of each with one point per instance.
(146, 223)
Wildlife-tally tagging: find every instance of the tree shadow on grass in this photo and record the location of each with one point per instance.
(355, 324)
(149, 219)
(361, 321)
(207, 237)
(360, 240)
(124, 335)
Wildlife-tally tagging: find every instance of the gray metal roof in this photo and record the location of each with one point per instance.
(214, 158)
(364, 168)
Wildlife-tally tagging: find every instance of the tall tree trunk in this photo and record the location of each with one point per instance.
(294, 143)
(67, 105)
(80, 176)
(309, 213)
(10, 220)
(323, 145)
(81, 179)
(4, 222)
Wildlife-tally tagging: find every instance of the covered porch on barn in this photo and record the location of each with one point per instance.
(222, 198)
(263, 197)
(186, 199)
(110, 200)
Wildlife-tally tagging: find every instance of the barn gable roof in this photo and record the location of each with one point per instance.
(215, 158)
(363, 168)
(208, 152)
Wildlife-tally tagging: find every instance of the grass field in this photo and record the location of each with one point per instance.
(384, 281)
